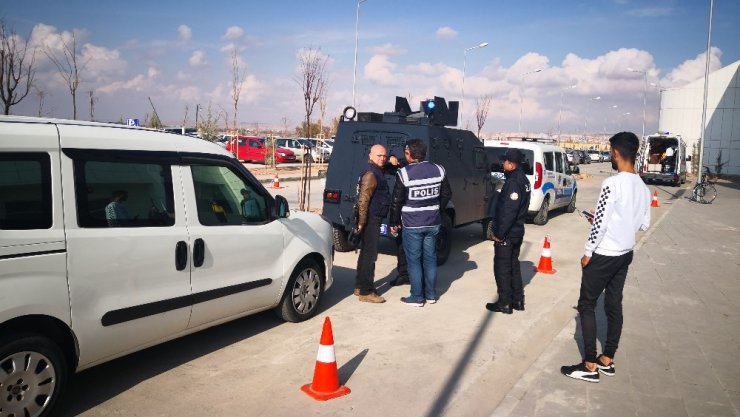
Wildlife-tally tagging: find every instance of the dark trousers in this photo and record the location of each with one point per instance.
(506, 270)
(603, 273)
(365, 280)
(401, 263)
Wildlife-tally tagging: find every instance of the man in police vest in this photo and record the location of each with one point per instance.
(420, 195)
(508, 234)
(373, 200)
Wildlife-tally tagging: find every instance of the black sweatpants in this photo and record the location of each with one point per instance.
(603, 273)
(365, 280)
(506, 270)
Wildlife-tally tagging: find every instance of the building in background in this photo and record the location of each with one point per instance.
(680, 113)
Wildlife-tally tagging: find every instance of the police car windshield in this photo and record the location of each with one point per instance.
(496, 166)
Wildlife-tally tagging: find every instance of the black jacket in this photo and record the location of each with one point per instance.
(400, 194)
(512, 206)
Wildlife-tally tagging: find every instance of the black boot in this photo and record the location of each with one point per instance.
(518, 305)
(399, 281)
(498, 308)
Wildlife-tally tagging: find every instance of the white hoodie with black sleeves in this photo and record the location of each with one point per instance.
(622, 210)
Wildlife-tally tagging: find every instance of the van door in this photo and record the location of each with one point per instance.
(237, 245)
(549, 178)
(125, 228)
(564, 186)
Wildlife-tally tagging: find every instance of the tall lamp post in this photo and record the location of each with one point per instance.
(521, 95)
(585, 121)
(560, 113)
(357, 41)
(644, 93)
(620, 119)
(465, 63)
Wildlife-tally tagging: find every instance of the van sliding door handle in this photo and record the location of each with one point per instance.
(181, 255)
(199, 252)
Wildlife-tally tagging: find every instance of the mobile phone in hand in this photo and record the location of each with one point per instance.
(587, 214)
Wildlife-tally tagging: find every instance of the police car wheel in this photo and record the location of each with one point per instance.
(303, 292)
(572, 206)
(542, 216)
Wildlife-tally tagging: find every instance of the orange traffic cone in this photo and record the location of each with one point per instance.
(545, 265)
(276, 181)
(655, 200)
(325, 385)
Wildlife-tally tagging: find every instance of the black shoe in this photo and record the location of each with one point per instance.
(579, 371)
(518, 305)
(607, 370)
(399, 281)
(498, 308)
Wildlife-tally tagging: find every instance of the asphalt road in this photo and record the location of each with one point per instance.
(453, 358)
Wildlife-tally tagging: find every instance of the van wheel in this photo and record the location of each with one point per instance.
(570, 208)
(541, 218)
(487, 229)
(303, 292)
(444, 240)
(34, 375)
(341, 243)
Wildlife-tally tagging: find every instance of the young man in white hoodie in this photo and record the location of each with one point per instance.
(623, 209)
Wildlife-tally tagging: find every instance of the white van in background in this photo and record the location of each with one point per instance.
(662, 158)
(115, 238)
(548, 171)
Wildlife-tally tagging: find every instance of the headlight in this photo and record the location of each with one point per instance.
(281, 153)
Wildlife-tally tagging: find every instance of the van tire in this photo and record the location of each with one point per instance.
(303, 293)
(339, 237)
(571, 207)
(487, 228)
(541, 217)
(444, 240)
(42, 351)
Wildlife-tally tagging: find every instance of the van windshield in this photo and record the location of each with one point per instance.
(495, 152)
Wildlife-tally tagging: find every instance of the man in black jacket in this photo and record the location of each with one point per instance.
(508, 234)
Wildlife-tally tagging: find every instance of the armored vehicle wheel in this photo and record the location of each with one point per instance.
(341, 244)
(444, 240)
(487, 229)
(540, 218)
(570, 208)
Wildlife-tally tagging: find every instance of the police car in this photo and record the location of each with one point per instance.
(546, 166)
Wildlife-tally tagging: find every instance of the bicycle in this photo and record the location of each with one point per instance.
(704, 191)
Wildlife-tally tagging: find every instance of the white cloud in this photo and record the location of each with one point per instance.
(693, 69)
(651, 12)
(233, 33)
(152, 72)
(380, 70)
(446, 33)
(185, 33)
(198, 59)
(388, 49)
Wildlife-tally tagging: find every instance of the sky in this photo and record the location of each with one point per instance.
(178, 54)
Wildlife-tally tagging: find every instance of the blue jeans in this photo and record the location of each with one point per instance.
(421, 244)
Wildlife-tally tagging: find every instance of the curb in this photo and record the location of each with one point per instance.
(288, 179)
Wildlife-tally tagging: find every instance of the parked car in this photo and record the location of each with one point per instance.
(606, 156)
(116, 238)
(324, 144)
(594, 155)
(253, 149)
(553, 185)
(583, 157)
(300, 147)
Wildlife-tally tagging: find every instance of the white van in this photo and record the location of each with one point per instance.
(662, 158)
(548, 171)
(114, 239)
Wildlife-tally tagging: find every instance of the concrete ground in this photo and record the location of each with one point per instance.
(455, 358)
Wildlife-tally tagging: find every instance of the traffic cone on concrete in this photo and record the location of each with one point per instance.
(276, 181)
(325, 385)
(545, 265)
(655, 200)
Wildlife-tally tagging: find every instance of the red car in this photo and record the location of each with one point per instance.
(253, 149)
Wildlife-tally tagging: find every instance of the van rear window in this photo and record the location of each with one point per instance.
(495, 152)
(25, 191)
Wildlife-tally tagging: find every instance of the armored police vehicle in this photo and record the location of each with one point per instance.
(460, 152)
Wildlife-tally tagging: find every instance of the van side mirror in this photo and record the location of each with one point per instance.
(282, 210)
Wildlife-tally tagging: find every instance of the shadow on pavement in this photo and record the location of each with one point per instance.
(345, 371)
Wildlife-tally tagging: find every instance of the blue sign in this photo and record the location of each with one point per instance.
(132, 122)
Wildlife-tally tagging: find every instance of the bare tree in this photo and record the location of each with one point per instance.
(208, 125)
(482, 104)
(16, 68)
(41, 94)
(69, 67)
(312, 79)
(237, 79)
(185, 119)
(93, 100)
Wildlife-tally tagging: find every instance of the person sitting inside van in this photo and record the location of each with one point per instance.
(116, 212)
(250, 207)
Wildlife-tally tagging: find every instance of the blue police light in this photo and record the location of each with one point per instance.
(429, 106)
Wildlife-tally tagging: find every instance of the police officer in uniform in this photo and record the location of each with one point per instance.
(508, 234)
(373, 202)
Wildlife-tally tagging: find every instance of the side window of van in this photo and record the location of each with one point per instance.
(224, 199)
(123, 194)
(25, 191)
(559, 162)
(549, 161)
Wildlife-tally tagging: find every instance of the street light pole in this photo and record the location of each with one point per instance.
(644, 95)
(357, 41)
(521, 96)
(465, 63)
(585, 121)
(560, 113)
